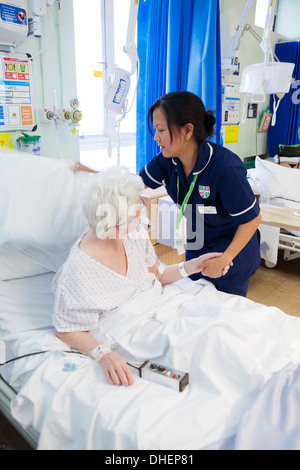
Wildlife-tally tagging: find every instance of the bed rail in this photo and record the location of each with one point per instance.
(6, 395)
(291, 246)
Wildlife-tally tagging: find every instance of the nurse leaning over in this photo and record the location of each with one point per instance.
(209, 184)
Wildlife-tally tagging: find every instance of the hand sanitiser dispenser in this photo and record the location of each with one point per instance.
(13, 22)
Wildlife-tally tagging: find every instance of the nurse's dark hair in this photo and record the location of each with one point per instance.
(181, 108)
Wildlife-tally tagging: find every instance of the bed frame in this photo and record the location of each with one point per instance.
(6, 396)
(284, 218)
(290, 244)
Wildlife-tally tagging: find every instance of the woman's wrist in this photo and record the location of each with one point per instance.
(99, 351)
(182, 269)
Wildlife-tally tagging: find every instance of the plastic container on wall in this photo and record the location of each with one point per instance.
(30, 144)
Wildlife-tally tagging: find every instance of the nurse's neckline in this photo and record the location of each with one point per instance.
(200, 162)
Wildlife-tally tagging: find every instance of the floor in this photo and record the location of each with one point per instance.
(278, 287)
(10, 439)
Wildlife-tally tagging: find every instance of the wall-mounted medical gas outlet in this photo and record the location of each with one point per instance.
(74, 103)
(73, 115)
(46, 115)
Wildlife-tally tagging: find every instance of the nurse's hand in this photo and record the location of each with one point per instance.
(116, 369)
(201, 264)
(216, 266)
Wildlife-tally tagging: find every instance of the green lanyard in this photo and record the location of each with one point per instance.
(186, 200)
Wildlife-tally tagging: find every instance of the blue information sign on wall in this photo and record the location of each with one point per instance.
(11, 14)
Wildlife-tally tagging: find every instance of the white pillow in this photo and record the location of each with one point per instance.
(21, 259)
(40, 199)
(278, 181)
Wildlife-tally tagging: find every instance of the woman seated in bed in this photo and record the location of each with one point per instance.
(111, 263)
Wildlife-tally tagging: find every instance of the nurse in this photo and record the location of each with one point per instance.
(210, 187)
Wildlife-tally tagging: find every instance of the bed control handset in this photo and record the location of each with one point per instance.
(164, 375)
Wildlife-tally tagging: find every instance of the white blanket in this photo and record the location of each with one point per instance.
(230, 346)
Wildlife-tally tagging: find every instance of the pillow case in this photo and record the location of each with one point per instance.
(40, 199)
(22, 259)
(278, 181)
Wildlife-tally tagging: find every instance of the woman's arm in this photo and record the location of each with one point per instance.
(79, 167)
(193, 266)
(114, 366)
(213, 268)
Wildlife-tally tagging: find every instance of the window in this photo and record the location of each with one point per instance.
(261, 12)
(100, 36)
(287, 22)
(88, 47)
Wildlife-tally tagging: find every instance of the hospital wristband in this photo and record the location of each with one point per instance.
(161, 269)
(99, 351)
(182, 270)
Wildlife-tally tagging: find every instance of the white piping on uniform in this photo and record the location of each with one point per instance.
(211, 154)
(246, 210)
(149, 176)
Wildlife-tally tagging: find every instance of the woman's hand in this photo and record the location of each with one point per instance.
(215, 266)
(116, 369)
(211, 265)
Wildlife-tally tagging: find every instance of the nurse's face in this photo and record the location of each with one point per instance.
(169, 147)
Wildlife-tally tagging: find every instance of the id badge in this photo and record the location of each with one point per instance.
(207, 209)
(180, 247)
(180, 238)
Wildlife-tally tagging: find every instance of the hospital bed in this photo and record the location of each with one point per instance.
(280, 208)
(238, 353)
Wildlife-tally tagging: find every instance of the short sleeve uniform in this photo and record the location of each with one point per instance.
(84, 288)
(222, 199)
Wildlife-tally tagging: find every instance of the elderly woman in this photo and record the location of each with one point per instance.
(107, 266)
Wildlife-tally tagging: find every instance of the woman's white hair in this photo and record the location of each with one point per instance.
(110, 200)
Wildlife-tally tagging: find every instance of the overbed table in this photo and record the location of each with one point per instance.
(280, 217)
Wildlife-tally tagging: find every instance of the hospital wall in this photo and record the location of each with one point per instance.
(250, 141)
(54, 69)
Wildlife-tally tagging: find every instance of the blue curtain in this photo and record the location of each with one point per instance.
(286, 129)
(179, 49)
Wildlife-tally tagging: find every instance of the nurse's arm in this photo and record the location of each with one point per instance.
(213, 268)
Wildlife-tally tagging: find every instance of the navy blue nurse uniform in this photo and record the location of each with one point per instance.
(221, 200)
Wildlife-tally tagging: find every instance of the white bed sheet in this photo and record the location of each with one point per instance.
(230, 346)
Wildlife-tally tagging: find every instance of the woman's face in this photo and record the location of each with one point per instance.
(170, 148)
(136, 213)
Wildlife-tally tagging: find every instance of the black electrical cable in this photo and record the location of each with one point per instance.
(28, 355)
(36, 354)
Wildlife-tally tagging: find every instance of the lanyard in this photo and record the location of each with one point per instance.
(186, 200)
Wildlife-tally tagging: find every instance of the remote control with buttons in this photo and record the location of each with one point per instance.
(164, 375)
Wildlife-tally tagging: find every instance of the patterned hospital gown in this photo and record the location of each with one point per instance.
(84, 288)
